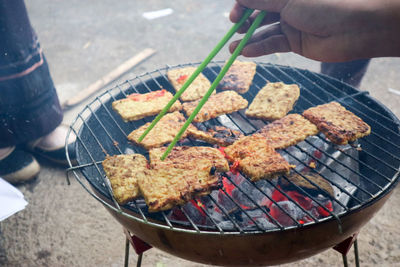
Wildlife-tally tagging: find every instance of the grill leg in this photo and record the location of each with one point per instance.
(126, 263)
(126, 253)
(356, 254)
(139, 260)
(139, 245)
(345, 264)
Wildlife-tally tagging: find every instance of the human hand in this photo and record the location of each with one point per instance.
(325, 30)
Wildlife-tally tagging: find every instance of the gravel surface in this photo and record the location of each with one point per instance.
(83, 40)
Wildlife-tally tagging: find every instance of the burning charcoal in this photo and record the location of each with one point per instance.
(176, 214)
(305, 152)
(290, 208)
(243, 199)
(226, 225)
(265, 186)
(195, 212)
(226, 202)
(255, 219)
(265, 224)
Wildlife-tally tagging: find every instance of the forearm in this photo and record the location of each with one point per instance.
(386, 38)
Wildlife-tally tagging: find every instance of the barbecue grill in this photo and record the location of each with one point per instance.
(234, 225)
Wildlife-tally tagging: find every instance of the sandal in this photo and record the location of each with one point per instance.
(17, 166)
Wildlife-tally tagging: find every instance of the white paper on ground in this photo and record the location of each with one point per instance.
(11, 200)
(394, 91)
(158, 13)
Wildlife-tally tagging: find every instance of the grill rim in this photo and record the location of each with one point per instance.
(166, 225)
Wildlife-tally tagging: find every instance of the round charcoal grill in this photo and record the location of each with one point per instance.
(244, 230)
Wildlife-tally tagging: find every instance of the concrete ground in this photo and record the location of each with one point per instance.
(83, 40)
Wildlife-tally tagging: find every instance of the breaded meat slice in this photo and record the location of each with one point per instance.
(239, 77)
(138, 106)
(273, 101)
(187, 156)
(288, 131)
(123, 171)
(164, 188)
(187, 172)
(205, 163)
(196, 90)
(162, 133)
(256, 158)
(338, 124)
(218, 104)
(216, 135)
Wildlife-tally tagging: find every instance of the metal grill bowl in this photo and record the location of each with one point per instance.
(364, 177)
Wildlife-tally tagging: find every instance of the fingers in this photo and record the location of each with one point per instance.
(268, 5)
(236, 13)
(269, 19)
(268, 41)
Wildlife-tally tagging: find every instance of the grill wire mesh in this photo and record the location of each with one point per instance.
(100, 132)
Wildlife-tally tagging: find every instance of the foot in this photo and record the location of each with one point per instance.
(17, 166)
(52, 146)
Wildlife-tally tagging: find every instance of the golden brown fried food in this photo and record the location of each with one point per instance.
(324, 186)
(218, 104)
(288, 131)
(186, 172)
(338, 124)
(273, 101)
(139, 106)
(196, 157)
(164, 188)
(196, 90)
(123, 171)
(239, 77)
(163, 132)
(218, 135)
(256, 158)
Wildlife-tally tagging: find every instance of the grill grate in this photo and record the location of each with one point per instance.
(100, 132)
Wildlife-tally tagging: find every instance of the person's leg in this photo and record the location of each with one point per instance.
(29, 105)
(350, 72)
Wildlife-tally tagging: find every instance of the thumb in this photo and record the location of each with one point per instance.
(268, 41)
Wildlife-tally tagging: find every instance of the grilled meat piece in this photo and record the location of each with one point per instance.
(324, 187)
(273, 101)
(218, 104)
(163, 132)
(288, 131)
(239, 77)
(164, 188)
(218, 135)
(338, 124)
(196, 90)
(186, 172)
(256, 158)
(123, 172)
(139, 106)
(196, 157)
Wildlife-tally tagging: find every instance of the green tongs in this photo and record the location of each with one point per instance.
(201, 67)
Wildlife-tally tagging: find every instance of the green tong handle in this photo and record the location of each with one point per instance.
(222, 73)
(201, 67)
